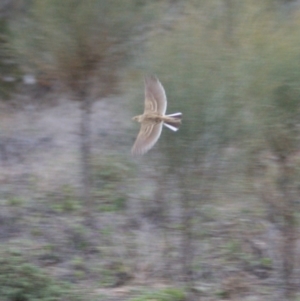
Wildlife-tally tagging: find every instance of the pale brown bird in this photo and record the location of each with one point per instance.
(153, 117)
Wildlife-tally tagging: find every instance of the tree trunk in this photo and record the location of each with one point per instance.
(289, 240)
(85, 149)
(162, 206)
(289, 232)
(187, 236)
(228, 26)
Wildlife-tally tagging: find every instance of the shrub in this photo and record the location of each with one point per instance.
(23, 281)
(169, 294)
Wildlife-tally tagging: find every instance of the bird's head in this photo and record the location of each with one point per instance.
(137, 118)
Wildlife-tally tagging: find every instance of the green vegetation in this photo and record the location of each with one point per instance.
(20, 280)
(216, 202)
(82, 46)
(235, 75)
(8, 67)
(230, 93)
(64, 200)
(78, 238)
(69, 40)
(15, 201)
(109, 180)
(169, 294)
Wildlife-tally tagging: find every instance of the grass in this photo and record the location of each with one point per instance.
(21, 280)
(109, 179)
(169, 294)
(64, 200)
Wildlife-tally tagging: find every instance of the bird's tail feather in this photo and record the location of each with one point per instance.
(174, 122)
(176, 115)
(174, 127)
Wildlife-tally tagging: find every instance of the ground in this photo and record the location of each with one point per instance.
(122, 253)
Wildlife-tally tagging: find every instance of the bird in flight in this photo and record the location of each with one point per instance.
(153, 118)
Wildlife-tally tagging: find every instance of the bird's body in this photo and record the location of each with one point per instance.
(154, 117)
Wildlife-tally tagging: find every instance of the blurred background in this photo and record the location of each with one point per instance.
(211, 212)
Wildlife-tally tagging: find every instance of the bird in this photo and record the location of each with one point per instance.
(153, 118)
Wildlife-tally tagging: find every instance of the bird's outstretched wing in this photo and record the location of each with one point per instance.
(147, 137)
(155, 96)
